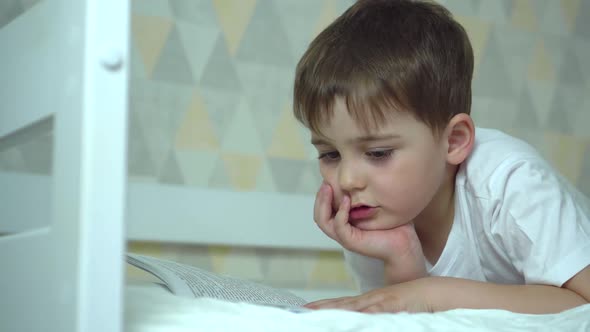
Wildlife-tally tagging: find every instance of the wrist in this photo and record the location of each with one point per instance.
(396, 272)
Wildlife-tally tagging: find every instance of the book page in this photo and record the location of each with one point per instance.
(189, 281)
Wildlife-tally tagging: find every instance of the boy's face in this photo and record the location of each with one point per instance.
(390, 174)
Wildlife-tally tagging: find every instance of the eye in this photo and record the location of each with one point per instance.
(329, 156)
(379, 154)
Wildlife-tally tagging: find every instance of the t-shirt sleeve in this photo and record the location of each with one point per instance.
(541, 221)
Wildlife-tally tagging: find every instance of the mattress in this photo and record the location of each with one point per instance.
(155, 309)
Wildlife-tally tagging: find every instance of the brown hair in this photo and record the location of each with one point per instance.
(387, 54)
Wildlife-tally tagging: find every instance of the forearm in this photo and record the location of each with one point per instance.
(452, 293)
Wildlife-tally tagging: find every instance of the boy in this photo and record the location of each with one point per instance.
(433, 213)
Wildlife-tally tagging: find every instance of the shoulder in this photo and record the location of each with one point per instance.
(498, 160)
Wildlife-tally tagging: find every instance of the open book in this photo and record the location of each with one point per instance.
(189, 281)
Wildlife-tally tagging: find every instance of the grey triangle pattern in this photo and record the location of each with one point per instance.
(508, 6)
(139, 160)
(219, 178)
(492, 70)
(493, 11)
(219, 73)
(539, 7)
(200, 13)
(542, 94)
(149, 99)
(582, 50)
(570, 71)
(516, 48)
(137, 69)
(342, 5)
(462, 7)
(577, 107)
(287, 173)
(221, 105)
(495, 113)
(173, 65)
(475, 4)
(157, 8)
(554, 45)
(553, 21)
(199, 42)
(266, 108)
(582, 25)
(558, 117)
(533, 136)
(9, 10)
(526, 116)
(310, 180)
(171, 173)
(264, 29)
(296, 15)
(584, 181)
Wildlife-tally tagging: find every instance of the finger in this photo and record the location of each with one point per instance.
(354, 303)
(342, 228)
(323, 303)
(341, 217)
(323, 210)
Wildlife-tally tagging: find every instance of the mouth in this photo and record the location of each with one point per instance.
(361, 212)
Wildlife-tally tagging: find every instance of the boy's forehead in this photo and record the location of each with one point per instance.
(353, 132)
(340, 119)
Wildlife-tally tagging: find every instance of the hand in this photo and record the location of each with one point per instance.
(411, 296)
(399, 247)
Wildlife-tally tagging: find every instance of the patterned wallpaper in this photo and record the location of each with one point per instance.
(211, 102)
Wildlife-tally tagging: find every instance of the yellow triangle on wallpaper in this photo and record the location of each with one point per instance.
(287, 141)
(541, 67)
(242, 170)
(478, 31)
(195, 131)
(150, 35)
(570, 10)
(523, 15)
(234, 17)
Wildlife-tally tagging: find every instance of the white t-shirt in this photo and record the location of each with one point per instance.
(517, 221)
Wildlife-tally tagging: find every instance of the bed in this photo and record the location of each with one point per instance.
(150, 309)
(73, 58)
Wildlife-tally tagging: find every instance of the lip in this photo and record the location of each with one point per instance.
(361, 212)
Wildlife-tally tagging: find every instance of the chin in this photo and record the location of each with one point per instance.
(369, 225)
(374, 225)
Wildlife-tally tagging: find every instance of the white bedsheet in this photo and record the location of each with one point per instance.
(153, 309)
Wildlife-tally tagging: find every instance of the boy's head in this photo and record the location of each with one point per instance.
(387, 55)
(386, 93)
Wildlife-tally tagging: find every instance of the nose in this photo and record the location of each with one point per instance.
(350, 177)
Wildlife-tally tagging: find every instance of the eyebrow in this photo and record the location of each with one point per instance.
(356, 140)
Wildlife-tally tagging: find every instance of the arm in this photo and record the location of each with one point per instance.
(444, 293)
(452, 293)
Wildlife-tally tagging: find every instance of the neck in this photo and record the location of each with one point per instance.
(434, 224)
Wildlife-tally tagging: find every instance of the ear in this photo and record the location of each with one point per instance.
(460, 137)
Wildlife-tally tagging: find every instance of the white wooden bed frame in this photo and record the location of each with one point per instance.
(65, 68)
